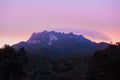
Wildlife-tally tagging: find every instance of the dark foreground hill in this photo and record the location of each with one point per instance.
(103, 65)
(56, 44)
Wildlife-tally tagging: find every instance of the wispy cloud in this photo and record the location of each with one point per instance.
(90, 34)
(95, 35)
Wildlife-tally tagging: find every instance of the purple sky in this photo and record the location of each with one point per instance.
(98, 20)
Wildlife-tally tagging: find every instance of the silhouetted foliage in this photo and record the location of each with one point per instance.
(66, 68)
(11, 63)
(105, 64)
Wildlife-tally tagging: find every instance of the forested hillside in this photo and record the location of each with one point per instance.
(17, 65)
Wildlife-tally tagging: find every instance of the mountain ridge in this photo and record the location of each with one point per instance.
(59, 44)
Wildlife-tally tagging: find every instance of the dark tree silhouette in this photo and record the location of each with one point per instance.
(105, 64)
(11, 63)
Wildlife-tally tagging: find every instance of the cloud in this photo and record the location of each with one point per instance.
(90, 34)
(95, 35)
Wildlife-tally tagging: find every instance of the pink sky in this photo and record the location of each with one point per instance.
(98, 20)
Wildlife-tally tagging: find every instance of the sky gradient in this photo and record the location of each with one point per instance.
(98, 20)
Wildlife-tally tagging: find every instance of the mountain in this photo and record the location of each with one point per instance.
(55, 44)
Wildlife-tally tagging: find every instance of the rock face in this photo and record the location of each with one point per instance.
(56, 44)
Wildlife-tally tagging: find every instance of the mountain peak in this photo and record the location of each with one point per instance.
(71, 33)
(59, 44)
(48, 37)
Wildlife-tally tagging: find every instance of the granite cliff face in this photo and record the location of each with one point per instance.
(59, 44)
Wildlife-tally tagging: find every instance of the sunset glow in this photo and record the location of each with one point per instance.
(98, 20)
